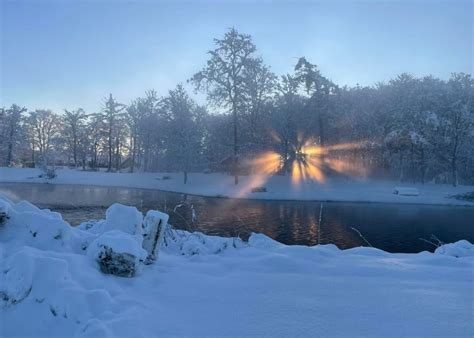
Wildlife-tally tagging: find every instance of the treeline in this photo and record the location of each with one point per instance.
(418, 129)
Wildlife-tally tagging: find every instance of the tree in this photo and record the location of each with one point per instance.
(319, 90)
(457, 122)
(223, 78)
(13, 117)
(44, 127)
(73, 122)
(258, 92)
(183, 134)
(112, 112)
(95, 131)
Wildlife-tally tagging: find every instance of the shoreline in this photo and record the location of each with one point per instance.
(279, 188)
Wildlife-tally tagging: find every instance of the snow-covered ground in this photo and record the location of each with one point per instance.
(278, 187)
(50, 285)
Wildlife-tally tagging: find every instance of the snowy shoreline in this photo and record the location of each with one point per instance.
(279, 188)
(255, 288)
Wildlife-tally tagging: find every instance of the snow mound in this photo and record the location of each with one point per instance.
(125, 218)
(28, 225)
(47, 286)
(262, 241)
(461, 248)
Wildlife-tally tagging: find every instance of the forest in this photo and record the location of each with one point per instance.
(418, 129)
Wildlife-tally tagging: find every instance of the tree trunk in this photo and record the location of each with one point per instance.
(454, 171)
(117, 154)
(401, 168)
(236, 149)
(110, 151)
(423, 165)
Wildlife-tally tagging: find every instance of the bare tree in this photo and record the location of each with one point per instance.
(45, 127)
(73, 122)
(13, 117)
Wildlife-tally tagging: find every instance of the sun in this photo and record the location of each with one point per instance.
(309, 161)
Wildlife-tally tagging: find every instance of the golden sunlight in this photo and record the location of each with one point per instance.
(308, 161)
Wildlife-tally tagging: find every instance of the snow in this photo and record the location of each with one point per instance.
(459, 249)
(278, 187)
(212, 286)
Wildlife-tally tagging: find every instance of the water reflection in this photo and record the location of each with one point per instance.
(392, 227)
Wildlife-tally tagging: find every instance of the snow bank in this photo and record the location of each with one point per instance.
(52, 286)
(277, 187)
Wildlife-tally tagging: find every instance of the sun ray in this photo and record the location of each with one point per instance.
(307, 161)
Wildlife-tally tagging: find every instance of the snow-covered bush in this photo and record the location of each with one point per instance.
(195, 243)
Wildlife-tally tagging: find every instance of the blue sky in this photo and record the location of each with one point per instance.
(69, 54)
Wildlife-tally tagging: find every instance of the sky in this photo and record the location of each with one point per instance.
(67, 54)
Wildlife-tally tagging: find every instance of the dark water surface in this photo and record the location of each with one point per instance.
(391, 227)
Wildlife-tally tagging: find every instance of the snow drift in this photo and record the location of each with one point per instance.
(51, 283)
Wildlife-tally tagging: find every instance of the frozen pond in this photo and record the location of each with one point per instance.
(391, 227)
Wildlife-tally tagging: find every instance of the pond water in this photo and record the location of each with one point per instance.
(391, 227)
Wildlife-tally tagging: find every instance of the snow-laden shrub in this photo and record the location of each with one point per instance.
(458, 249)
(118, 253)
(195, 243)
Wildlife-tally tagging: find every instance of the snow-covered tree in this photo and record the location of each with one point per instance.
(223, 77)
(184, 135)
(73, 125)
(12, 118)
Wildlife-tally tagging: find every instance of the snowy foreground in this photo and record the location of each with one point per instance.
(51, 284)
(278, 187)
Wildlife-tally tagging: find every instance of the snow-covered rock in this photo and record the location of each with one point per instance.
(118, 253)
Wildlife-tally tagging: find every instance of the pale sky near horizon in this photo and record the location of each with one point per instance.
(58, 54)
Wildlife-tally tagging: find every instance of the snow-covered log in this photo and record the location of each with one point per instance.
(406, 191)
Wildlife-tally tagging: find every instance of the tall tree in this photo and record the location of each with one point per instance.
(13, 117)
(73, 122)
(223, 78)
(45, 128)
(319, 90)
(112, 112)
(184, 136)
